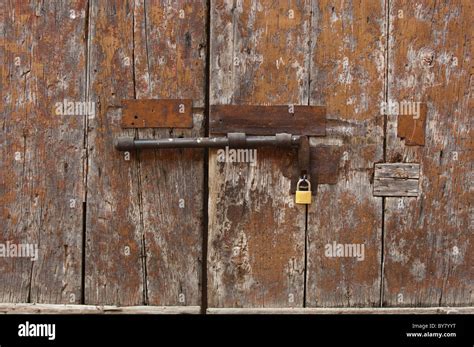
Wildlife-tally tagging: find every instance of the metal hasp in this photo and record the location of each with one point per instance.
(232, 140)
(241, 126)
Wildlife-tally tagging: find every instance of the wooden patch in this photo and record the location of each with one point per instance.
(411, 127)
(397, 179)
(152, 113)
(268, 120)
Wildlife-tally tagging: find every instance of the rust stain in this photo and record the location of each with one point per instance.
(412, 128)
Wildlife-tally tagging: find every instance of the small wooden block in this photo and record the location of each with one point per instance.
(268, 120)
(152, 113)
(396, 179)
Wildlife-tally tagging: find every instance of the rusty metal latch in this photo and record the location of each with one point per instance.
(232, 140)
(240, 126)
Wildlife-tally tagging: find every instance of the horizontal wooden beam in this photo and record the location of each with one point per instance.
(8, 308)
(363, 310)
(91, 309)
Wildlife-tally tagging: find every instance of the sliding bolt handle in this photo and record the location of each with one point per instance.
(125, 143)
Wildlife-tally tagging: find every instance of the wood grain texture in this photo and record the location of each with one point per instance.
(397, 170)
(396, 187)
(323, 167)
(170, 62)
(95, 310)
(429, 240)
(145, 214)
(396, 179)
(114, 268)
(259, 56)
(41, 184)
(342, 310)
(347, 76)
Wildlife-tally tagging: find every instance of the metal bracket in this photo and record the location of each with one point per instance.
(150, 113)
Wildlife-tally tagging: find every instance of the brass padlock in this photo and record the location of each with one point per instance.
(303, 197)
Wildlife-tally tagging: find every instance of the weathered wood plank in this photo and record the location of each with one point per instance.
(411, 127)
(429, 240)
(114, 270)
(268, 120)
(351, 310)
(170, 62)
(396, 179)
(347, 76)
(395, 187)
(259, 56)
(323, 168)
(153, 113)
(90, 309)
(41, 184)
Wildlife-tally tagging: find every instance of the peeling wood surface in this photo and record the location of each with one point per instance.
(41, 186)
(429, 240)
(347, 77)
(259, 56)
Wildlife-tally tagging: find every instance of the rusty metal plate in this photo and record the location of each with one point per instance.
(162, 113)
(411, 127)
(324, 167)
(268, 120)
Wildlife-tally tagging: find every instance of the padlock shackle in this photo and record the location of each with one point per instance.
(301, 180)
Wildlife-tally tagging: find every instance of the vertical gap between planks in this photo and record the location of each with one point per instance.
(85, 159)
(382, 237)
(205, 163)
(138, 167)
(305, 254)
(306, 224)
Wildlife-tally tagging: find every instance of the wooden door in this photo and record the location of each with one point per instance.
(180, 227)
